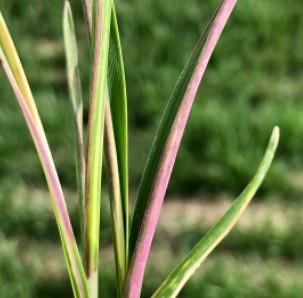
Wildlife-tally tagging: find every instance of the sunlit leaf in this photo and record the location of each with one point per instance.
(15, 74)
(116, 148)
(176, 280)
(161, 160)
(95, 144)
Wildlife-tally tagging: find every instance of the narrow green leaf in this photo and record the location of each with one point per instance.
(165, 148)
(73, 259)
(95, 144)
(116, 145)
(176, 280)
(75, 90)
(115, 202)
(187, 83)
(118, 102)
(118, 105)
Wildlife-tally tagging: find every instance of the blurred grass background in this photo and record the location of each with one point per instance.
(254, 81)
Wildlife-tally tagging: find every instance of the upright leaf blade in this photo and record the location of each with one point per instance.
(118, 103)
(165, 147)
(115, 203)
(116, 145)
(73, 259)
(176, 280)
(95, 144)
(75, 90)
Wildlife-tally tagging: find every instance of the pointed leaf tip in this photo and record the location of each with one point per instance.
(178, 278)
(160, 163)
(276, 134)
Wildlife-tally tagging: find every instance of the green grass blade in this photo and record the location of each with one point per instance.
(118, 102)
(75, 90)
(115, 202)
(183, 85)
(95, 144)
(165, 148)
(116, 145)
(177, 279)
(73, 259)
(118, 105)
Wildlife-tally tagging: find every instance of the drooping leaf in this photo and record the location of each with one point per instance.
(16, 76)
(176, 280)
(95, 144)
(161, 160)
(75, 90)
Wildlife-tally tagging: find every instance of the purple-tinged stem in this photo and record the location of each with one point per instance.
(156, 197)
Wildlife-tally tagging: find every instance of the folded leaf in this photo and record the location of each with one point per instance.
(176, 280)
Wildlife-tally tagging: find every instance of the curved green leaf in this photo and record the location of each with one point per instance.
(185, 82)
(11, 64)
(165, 148)
(176, 280)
